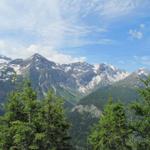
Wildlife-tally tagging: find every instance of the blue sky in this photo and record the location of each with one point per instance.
(111, 31)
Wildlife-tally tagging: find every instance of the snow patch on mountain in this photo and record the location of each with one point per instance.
(118, 76)
(143, 71)
(80, 77)
(4, 60)
(96, 67)
(95, 81)
(17, 68)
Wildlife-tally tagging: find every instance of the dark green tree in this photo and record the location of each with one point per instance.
(16, 122)
(52, 125)
(140, 123)
(29, 124)
(112, 131)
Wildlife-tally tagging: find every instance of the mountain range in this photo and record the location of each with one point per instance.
(84, 87)
(71, 81)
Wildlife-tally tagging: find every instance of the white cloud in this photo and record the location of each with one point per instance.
(52, 54)
(104, 8)
(49, 52)
(136, 34)
(115, 8)
(58, 23)
(50, 20)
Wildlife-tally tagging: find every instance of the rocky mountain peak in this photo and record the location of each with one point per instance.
(4, 59)
(143, 71)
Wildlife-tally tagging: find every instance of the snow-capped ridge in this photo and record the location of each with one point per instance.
(4, 59)
(143, 71)
(80, 77)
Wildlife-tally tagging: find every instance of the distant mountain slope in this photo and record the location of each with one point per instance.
(40, 71)
(92, 84)
(99, 97)
(71, 81)
(88, 110)
(133, 80)
(89, 77)
(4, 59)
(124, 90)
(83, 121)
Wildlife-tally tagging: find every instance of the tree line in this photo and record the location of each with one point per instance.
(123, 128)
(32, 124)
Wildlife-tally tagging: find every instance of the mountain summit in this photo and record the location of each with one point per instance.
(4, 59)
(75, 79)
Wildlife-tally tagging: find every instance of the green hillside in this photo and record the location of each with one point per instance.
(118, 93)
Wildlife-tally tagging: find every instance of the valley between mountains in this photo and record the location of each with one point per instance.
(84, 87)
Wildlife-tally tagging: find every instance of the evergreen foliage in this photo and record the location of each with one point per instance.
(118, 131)
(112, 132)
(29, 124)
(141, 121)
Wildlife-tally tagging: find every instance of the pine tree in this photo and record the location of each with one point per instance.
(29, 124)
(16, 122)
(53, 124)
(112, 131)
(141, 119)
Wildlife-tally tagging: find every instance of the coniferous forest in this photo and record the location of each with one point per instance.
(28, 123)
(31, 124)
